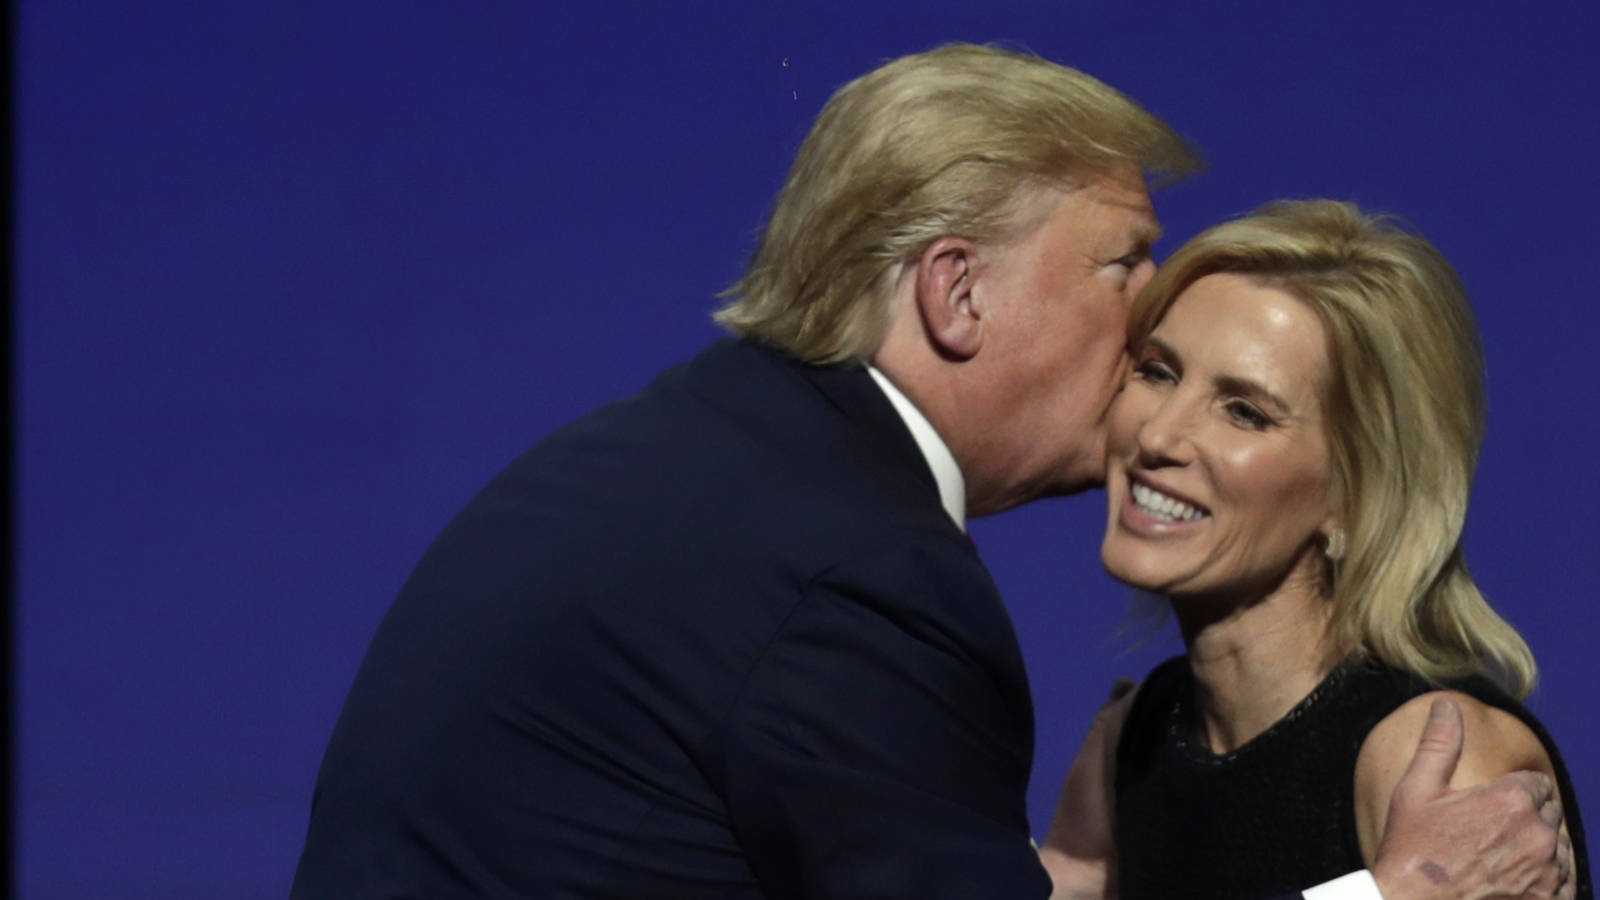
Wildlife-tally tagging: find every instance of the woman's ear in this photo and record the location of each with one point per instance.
(1333, 543)
(951, 317)
(1335, 536)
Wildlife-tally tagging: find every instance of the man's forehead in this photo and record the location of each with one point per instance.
(1097, 211)
(1122, 190)
(1127, 201)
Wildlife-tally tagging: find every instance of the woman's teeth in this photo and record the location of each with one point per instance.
(1163, 507)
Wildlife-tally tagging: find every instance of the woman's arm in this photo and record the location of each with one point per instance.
(1495, 743)
(1079, 852)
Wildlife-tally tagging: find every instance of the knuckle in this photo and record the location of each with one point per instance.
(1513, 801)
(1432, 744)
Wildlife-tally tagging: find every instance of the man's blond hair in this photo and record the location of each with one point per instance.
(942, 143)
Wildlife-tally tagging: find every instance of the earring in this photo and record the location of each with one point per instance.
(1334, 549)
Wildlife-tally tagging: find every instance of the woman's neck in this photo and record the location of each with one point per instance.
(1254, 661)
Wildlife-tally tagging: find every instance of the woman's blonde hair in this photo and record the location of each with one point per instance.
(930, 145)
(1406, 417)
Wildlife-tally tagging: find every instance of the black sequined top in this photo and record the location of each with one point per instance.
(1278, 814)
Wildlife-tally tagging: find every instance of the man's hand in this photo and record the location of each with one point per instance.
(1501, 839)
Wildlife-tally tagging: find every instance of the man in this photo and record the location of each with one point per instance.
(728, 638)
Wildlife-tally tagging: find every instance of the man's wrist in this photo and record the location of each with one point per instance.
(1355, 886)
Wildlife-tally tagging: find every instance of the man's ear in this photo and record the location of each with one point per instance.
(950, 316)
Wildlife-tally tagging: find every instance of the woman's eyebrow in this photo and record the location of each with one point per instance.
(1226, 384)
(1162, 347)
(1248, 387)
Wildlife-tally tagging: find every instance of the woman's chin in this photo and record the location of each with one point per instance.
(1136, 569)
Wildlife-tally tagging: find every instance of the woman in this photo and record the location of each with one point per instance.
(1289, 464)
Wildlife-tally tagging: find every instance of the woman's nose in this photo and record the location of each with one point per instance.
(1163, 439)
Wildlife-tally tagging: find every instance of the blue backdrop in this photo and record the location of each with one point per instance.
(294, 279)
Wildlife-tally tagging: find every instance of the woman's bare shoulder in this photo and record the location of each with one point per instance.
(1494, 743)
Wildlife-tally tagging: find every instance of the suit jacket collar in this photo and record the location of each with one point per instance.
(851, 390)
(877, 440)
(946, 470)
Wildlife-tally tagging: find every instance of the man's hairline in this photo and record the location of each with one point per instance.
(1025, 221)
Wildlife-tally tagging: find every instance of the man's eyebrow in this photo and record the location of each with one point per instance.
(1146, 234)
(1143, 237)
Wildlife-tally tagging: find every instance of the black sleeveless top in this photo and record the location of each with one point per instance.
(1278, 814)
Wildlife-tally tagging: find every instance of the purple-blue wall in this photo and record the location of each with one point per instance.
(294, 279)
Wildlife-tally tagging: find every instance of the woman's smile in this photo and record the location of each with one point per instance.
(1159, 512)
(1219, 474)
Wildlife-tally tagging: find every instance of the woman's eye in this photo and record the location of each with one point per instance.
(1155, 370)
(1247, 415)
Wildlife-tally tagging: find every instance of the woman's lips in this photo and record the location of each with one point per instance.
(1150, 511)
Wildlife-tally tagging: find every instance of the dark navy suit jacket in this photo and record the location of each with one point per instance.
(718, 640)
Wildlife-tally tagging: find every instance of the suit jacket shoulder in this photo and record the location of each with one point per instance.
(633, 624)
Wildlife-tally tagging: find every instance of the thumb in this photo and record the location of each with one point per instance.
(1437, 753)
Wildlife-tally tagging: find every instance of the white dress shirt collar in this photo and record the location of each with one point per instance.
(946, 473)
